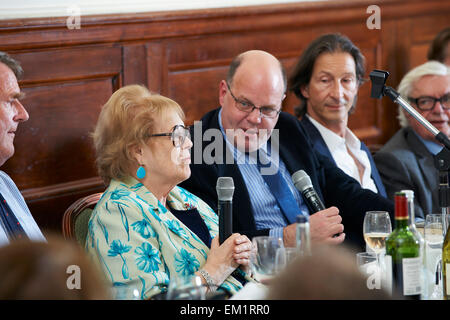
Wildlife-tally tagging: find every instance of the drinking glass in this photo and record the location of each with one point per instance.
(263, 258)
(377, 227)
(377, 270)
(125, 292)
(284, 256)
(434, 239)
(186, 287)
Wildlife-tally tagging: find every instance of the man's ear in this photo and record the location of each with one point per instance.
(223, 89)
(305, 91)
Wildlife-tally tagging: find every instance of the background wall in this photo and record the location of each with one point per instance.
(70, 74)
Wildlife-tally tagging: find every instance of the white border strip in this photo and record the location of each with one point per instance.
(16, 9)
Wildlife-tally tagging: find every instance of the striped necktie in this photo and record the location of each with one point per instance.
(9, 221)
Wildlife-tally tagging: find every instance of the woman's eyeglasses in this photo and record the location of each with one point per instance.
(178, 135)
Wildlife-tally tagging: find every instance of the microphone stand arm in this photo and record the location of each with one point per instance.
(441, 160)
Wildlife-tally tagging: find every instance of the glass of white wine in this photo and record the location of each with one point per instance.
(377, 227)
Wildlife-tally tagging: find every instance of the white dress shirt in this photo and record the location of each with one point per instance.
(17, 204)
(338, 149)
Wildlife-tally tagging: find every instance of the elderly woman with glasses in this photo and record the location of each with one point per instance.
(145, 229)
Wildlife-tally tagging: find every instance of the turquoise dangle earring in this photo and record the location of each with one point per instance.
(140, 173)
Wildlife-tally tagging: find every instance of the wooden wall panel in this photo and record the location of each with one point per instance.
(70, 74)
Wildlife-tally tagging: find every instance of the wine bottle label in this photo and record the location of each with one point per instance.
(411, 276)
(447, 268)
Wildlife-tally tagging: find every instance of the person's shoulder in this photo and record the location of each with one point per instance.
(396, 149)
(287, 117)
(209, 117)
(397, 143)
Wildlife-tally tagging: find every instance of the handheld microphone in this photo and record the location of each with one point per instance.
(303, 183)
(225, 190)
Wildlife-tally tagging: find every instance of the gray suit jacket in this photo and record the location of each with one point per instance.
(404, 162)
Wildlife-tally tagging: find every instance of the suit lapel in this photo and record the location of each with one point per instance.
(295, 158)
(424, 158)
(316, 138)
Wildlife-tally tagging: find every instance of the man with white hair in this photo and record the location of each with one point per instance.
(407, 160)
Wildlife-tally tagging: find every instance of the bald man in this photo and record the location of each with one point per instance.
(260, 147)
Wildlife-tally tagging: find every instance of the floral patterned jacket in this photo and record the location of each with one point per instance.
(141, 244)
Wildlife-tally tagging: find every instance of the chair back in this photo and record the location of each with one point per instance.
(76, 218)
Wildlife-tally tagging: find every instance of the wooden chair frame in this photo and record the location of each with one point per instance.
(71, 214)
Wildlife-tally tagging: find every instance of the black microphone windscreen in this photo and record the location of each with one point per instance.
(301, 180)
(225, 188)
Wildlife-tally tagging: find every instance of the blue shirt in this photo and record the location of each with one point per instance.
(433, 147)
(17, 204)
(267, 213)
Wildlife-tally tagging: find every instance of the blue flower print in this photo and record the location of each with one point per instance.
(148, 258)
(144, 228)
(185, 262)
(174, 225)
(119, 193)
(188, 197)
(117, 248)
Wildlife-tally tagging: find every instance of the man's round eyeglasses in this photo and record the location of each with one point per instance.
(178, 135)
(248, 107)
(428, 103)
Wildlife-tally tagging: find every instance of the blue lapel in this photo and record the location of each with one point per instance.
(316, 138)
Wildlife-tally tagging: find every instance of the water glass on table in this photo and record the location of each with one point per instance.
(434, 239)
(186, 287)
(377, 270)
(263, 258)
(284, 256)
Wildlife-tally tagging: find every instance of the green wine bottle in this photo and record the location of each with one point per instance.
(446, 264)
(403, 248)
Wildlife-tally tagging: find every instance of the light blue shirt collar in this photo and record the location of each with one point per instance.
(433, 147)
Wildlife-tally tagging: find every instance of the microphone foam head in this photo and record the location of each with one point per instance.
(301, 180)
(225, 188)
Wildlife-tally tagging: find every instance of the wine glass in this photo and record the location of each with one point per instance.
(377, 227)
(263, 257)
(186, 287)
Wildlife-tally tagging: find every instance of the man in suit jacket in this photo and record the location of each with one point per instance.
(16, 220)
(250, 121)
(406, 161)
(326, 80)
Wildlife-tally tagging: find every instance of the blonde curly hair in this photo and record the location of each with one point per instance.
(127, 120)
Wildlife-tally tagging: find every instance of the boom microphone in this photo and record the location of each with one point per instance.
(225, 190)
(303, 183)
